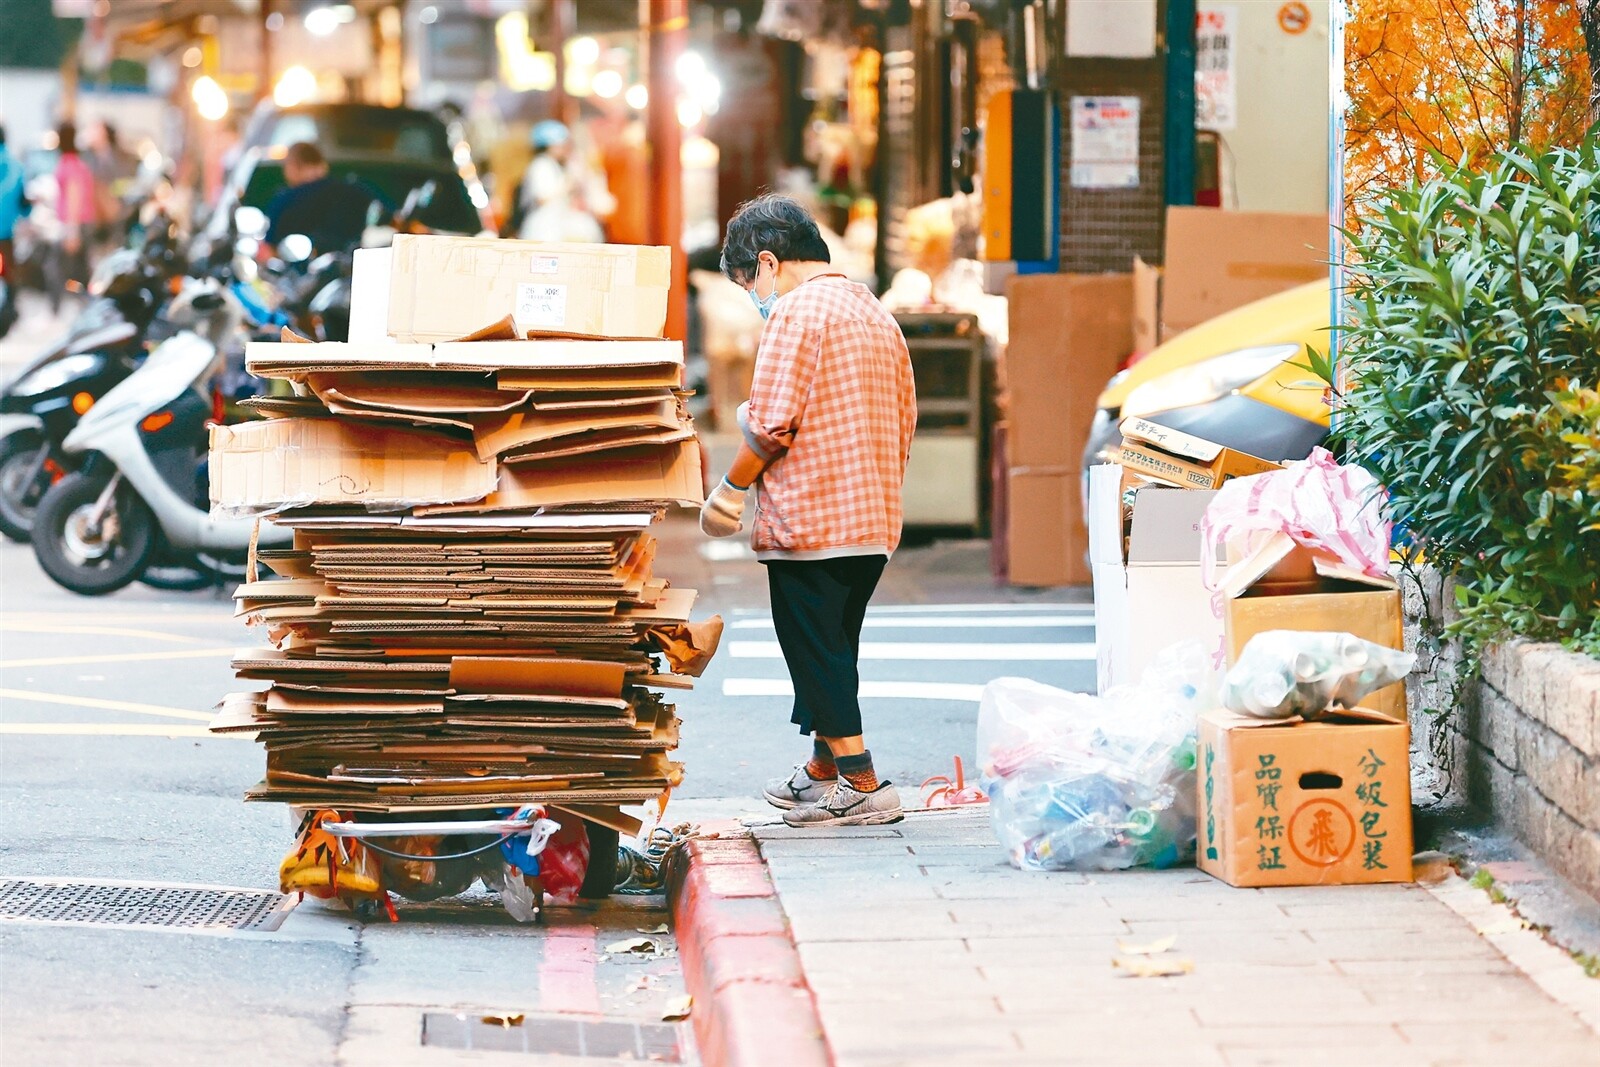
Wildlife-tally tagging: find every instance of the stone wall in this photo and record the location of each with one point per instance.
(1519, 742)
(1534, 753)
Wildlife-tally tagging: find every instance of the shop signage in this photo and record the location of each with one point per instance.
(1216, 50)
(1105, 142)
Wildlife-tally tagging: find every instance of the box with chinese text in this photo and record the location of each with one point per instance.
(1291, 802)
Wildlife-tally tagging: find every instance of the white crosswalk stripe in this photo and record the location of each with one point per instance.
(944, 622)
(1039, 651)
(932, 652)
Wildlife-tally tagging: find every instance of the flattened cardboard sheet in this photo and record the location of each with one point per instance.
(262, 467)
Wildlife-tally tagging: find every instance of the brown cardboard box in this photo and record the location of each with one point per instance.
(1220, 260)
(1146, 306)
(444, 287)
(1046, 541)
(261, 467)
(1181, 459)
(1069, 334)
(1290, 802)
(1339, 601)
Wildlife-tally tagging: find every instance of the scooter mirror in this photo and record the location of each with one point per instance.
(250, 222)
(295, 248)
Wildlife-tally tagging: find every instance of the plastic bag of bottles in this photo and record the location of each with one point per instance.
(1282, 673)
(1080, 782)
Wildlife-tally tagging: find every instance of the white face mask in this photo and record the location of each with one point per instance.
(763, 305)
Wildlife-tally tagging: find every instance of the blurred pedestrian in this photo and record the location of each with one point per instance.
(114, 169)
(13, 207)
(547, 199)
(827, 432)
(77, 210)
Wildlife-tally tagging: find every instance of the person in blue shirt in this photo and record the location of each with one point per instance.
(330, 211)
(13, 203)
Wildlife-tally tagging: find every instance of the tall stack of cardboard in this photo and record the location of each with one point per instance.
(470, 615)
(1068, 334)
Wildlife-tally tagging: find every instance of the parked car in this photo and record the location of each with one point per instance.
(339, 129)
(1232, 380)
(452, 208)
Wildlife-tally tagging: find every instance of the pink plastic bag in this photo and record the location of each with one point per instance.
(1334, 511)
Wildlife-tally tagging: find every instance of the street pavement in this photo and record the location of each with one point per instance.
(921, 945)
(107, 772)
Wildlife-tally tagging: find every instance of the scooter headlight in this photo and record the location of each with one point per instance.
(1208, 380)
(54, 375)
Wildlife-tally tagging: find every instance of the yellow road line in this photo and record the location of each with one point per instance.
(105, 705)
(107, 729)
(118, 657)
(98, 631)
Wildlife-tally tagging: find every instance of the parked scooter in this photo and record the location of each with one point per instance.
(141, 495)
(102, 347)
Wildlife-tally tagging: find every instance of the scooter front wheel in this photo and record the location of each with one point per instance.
(91, 558)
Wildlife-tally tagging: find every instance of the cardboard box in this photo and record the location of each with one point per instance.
(1220, 260)
(1339, 601)
(1290, 802)
(1149, 594)
(1146, 306)
(1045, 545)
(1068, 335)
(444, 287)
(1189, 462)
(261, 467)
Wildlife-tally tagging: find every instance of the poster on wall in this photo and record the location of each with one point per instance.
(1216, 50)
(1105, 142)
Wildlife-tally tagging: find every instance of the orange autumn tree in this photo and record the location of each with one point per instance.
(1464, 78)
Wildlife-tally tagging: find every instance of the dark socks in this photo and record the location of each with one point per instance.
(820, 766)
(857, 770)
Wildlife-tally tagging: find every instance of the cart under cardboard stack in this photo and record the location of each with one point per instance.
(470, 620)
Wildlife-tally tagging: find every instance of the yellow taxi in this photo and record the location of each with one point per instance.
(1232, 380)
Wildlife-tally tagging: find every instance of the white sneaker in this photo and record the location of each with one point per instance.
(799, 788)
(845, 805)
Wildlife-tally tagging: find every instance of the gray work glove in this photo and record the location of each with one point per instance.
(723, 512)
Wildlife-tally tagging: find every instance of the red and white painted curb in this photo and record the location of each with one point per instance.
(739, 962)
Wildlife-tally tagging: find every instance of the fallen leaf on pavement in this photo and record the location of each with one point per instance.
(1154, 948)
(652, 930)
(643, 982)
(506, 1021)
(1145, 967)
(677, 1009)
(638, 946)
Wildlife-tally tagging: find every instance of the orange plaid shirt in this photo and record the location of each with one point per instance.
(833, 400)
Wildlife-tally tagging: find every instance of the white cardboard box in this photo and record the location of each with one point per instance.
(1154, 596)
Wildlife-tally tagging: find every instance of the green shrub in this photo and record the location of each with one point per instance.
(1469, 370)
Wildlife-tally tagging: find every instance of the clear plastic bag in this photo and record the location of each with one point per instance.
(1080, 782)
(1282, 673)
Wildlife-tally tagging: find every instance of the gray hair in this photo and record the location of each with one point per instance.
(770, 223)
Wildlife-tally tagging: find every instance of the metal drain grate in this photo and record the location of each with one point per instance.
(53, 900)
(547, 1036)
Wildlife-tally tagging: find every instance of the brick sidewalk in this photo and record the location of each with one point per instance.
(922, 946)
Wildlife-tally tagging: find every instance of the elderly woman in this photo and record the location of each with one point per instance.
(827, 430)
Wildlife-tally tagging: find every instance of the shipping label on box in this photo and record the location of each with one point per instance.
(1182, 459)
(1290, 802)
